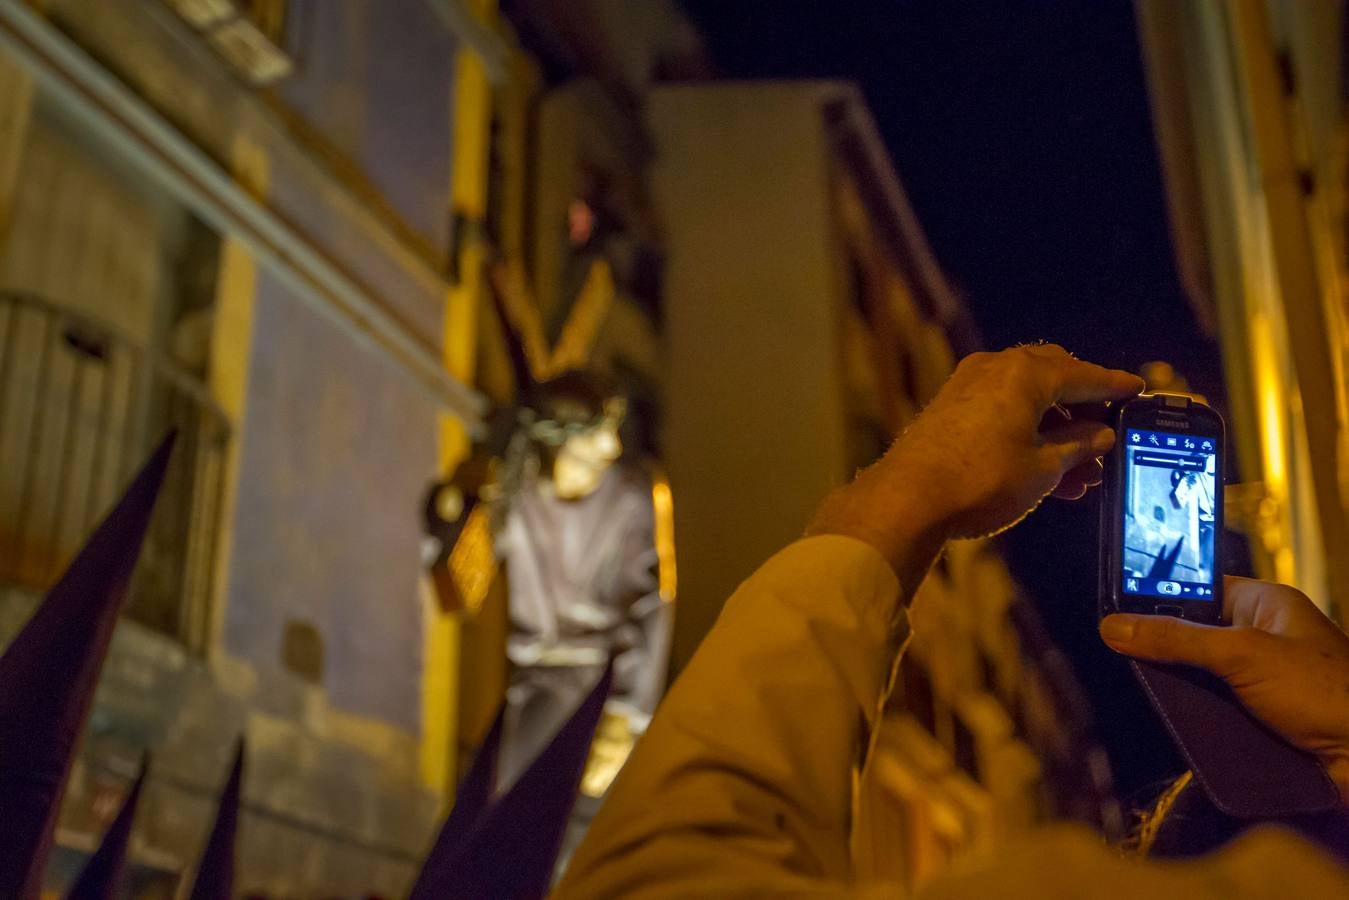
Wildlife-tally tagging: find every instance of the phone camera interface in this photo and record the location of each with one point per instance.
(1170, 497)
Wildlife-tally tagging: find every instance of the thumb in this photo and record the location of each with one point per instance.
(1222, 651)
(1074, 443)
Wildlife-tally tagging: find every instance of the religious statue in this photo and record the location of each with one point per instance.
(581, 528)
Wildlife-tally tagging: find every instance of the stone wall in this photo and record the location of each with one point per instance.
(320, 815)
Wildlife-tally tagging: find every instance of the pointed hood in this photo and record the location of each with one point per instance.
(102, 874)
(470, 802)
(48, 675)
(215, 872)
(513, 849)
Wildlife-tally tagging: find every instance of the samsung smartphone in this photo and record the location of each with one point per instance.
(1162, 510)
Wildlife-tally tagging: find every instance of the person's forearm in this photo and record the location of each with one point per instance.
(903, 525)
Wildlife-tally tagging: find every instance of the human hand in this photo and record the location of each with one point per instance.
(981, 455)
(1284, 660)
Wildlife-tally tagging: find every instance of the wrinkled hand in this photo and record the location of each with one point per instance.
(1282, 657)
(981, 455)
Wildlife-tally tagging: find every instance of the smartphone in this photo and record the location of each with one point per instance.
(1162, 510)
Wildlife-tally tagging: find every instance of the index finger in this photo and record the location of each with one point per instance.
(1069, 380)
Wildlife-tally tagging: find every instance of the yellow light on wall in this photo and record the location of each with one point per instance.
(472, 117)
(1272, 408)
(1272, 405)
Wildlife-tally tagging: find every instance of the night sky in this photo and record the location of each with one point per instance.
(1022, 134)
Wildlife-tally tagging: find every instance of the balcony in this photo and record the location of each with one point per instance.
(81, 404)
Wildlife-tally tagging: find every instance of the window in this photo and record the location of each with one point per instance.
(106, 294)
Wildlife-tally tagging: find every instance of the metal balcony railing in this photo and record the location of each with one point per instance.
(81, 405)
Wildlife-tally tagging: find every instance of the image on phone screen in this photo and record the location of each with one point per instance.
(1170, 496)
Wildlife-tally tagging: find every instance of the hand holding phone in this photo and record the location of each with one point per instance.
(1277, 645)
(1161, 523)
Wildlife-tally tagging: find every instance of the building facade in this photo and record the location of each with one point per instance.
(242, 222)
(1249, 106)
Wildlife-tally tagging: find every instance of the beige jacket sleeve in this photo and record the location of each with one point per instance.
(743, 783)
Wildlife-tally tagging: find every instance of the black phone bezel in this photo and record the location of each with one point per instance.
(1157, 412)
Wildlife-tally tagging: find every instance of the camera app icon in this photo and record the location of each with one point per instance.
(1168, 587)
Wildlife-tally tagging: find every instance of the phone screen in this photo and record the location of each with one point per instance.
(1170, 504)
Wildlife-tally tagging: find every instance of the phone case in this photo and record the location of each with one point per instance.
(1247, 771)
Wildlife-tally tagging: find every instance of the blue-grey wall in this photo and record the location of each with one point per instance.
(337, 444)
(337, 448)
(376, 78)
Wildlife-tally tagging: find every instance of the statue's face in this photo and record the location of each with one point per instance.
(583, 459)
